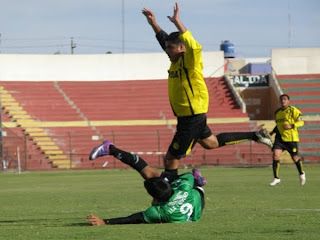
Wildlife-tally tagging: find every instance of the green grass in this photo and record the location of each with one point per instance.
(239, 205)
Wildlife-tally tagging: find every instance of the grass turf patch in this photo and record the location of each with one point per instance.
(240, 204)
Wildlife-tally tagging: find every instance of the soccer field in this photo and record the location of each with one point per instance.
(239, 205)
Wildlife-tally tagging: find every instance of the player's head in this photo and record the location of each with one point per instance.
(284, 95)
(284, 100)
(158, 188)
(174, 47)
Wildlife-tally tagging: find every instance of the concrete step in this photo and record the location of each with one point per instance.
(53, 152)
(57, 157)
(37, 134)
(49, 148)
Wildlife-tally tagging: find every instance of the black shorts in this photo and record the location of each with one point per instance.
(291, 147)
(189, 131)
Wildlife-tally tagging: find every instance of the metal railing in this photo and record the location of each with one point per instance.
(149, 146)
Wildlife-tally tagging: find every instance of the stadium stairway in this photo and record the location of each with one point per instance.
(48, 147)
(222, 102)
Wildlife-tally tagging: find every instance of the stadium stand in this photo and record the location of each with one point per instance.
(304, 91)
(58, 123)
(55, 118)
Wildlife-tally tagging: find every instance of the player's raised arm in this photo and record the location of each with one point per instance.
(151, 19)
(160, 34)
(176, 19)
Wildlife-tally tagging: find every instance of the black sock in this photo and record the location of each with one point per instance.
(170, 175)
(132, 160)
(235, 137)
(172, 171)
(276, 167)
(299, 166)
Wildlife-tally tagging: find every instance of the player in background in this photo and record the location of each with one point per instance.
(176, 198)
(189, 96)
(288, 119)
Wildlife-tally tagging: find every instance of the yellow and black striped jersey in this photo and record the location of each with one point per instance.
(290, 115)
(188, 93)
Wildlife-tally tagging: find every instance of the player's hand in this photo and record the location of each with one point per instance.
(95, 221)
(149, 15)
(175, 16)
(287, 126)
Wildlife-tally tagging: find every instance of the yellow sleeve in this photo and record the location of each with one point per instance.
(298, 122)
(189, 41)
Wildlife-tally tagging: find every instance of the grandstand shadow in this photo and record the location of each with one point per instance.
(80, 224)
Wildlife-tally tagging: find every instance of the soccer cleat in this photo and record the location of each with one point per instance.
(264, 137)
(303, 179)
(197, 175)
(275, 182)
(101, 150)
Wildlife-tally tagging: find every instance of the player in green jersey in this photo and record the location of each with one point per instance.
(176, 198)
(288, 119)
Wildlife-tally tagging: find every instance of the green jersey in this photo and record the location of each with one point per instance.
(183, 206)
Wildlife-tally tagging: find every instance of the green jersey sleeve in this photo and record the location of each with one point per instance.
(152, 215)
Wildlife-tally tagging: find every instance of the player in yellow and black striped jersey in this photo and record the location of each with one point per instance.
(288, 119)
(188, 95)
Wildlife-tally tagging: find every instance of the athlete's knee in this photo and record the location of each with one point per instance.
(209, 143)
(295, 158)
(277, 154)
(150, 172)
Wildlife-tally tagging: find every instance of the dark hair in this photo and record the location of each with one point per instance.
(158, 188)
(174, 38)
(284, 95)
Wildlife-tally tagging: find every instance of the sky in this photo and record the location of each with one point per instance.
(118, 26)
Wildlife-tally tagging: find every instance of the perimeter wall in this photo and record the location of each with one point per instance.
(117, 67)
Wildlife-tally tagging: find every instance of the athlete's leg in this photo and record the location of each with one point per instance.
(298, 163)
(134, 161)
(171, 163)
(293, 150)
(150, 172)
(276, 166)
(276, 162)
(296, 158)
(188, 131)
(224, 139)
(209, 142)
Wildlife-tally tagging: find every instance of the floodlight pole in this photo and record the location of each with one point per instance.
(123, 28)
(289, 25)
